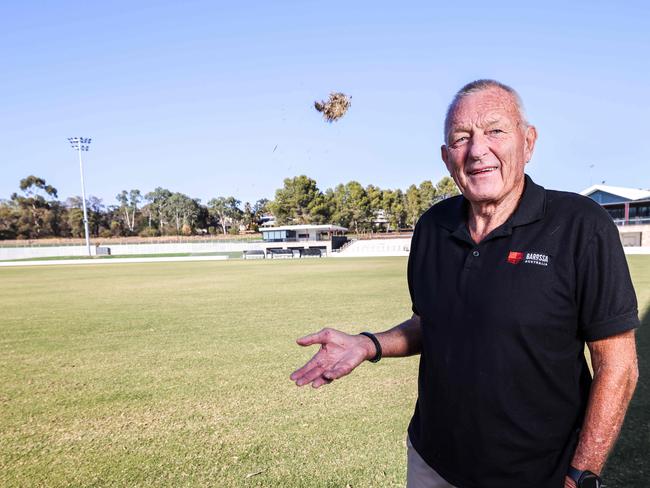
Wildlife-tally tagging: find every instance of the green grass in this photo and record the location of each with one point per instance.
(176, 374)
(629, 464)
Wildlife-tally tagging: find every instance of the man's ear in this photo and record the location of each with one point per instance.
(529, 142)
(444, 154)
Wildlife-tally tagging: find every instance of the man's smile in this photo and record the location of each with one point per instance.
(484, 170)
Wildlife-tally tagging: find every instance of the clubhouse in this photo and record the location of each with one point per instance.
(299, 241)
(629, 208)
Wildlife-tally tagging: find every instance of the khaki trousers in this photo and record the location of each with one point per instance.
(419, 474)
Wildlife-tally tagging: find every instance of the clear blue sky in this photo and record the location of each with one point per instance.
(194, 96)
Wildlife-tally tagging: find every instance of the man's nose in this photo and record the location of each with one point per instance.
(478, 147)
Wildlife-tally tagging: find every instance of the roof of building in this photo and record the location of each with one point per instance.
(619, 191)
(328, 227)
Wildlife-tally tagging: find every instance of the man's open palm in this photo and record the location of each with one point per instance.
(339, 354)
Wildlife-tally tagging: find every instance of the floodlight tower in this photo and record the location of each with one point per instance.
(82, 144)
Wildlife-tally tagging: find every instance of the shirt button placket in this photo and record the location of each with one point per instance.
(471, 257)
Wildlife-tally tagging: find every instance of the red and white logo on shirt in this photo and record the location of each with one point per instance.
(516, 257)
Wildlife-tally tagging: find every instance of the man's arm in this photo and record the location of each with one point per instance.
(341, 353)
(615, 376)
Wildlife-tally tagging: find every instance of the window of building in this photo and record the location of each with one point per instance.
(640, 210)
(616, 212)
(274, 235)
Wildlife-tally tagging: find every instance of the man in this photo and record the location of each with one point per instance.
(507, 282)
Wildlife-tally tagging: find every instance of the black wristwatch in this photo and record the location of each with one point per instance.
(585, 479)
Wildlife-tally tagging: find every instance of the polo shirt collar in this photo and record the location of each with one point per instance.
(531, 208)
(532, 205)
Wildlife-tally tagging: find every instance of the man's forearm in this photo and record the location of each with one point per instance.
(615, 377)
(403, 339)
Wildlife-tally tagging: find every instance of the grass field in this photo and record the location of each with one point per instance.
(176, 374)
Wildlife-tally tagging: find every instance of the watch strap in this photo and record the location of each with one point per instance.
(574, 474)
(586, 476)
(375, 341)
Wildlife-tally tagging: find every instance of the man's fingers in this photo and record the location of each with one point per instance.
(313, 362)
(336, 373)
(317, 338)
(310, 339)
(299, 372)
(314, 371)
(309, 376)
(320, 381)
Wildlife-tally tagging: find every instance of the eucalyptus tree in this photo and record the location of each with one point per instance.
(412, 205)
(446, 188)
(9, 215)
(394, 209)
(226, 210)
(182, 211)
(157, 206)
(34, 207)
(427, 195)
(352, 206)
(248, 216)
(375, 202)
(129, 206)
(260, 209)
(97, 216)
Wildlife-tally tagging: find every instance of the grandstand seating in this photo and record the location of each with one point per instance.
(280, 253)
(254, 254)
(311, 253)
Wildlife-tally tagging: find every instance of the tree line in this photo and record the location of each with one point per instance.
(36, 212)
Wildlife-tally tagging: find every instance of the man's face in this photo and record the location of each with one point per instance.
(488, 146)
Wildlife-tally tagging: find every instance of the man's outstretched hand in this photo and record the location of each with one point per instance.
(339, 354)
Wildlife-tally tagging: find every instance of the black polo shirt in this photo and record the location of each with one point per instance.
(503, 382)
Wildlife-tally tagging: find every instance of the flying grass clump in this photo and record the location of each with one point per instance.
(335, 107)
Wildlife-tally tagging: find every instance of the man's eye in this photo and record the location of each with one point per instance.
(496, 131)
(460, 140)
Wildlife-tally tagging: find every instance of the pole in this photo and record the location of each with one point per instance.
(83, 198)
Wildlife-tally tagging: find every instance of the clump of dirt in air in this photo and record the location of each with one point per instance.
(335, 107)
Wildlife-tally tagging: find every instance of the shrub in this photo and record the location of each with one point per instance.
(149, 232)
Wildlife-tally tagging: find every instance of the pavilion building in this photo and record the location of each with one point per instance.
(629, 208)
(301, 240)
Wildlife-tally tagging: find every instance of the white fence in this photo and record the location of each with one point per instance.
(377, 247)
(7, 253)
(402, 247)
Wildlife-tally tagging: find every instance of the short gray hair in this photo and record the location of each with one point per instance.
(477, 86)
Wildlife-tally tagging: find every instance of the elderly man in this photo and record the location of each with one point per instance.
(508, 282)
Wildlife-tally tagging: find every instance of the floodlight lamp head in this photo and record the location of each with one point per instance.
(79, 143)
